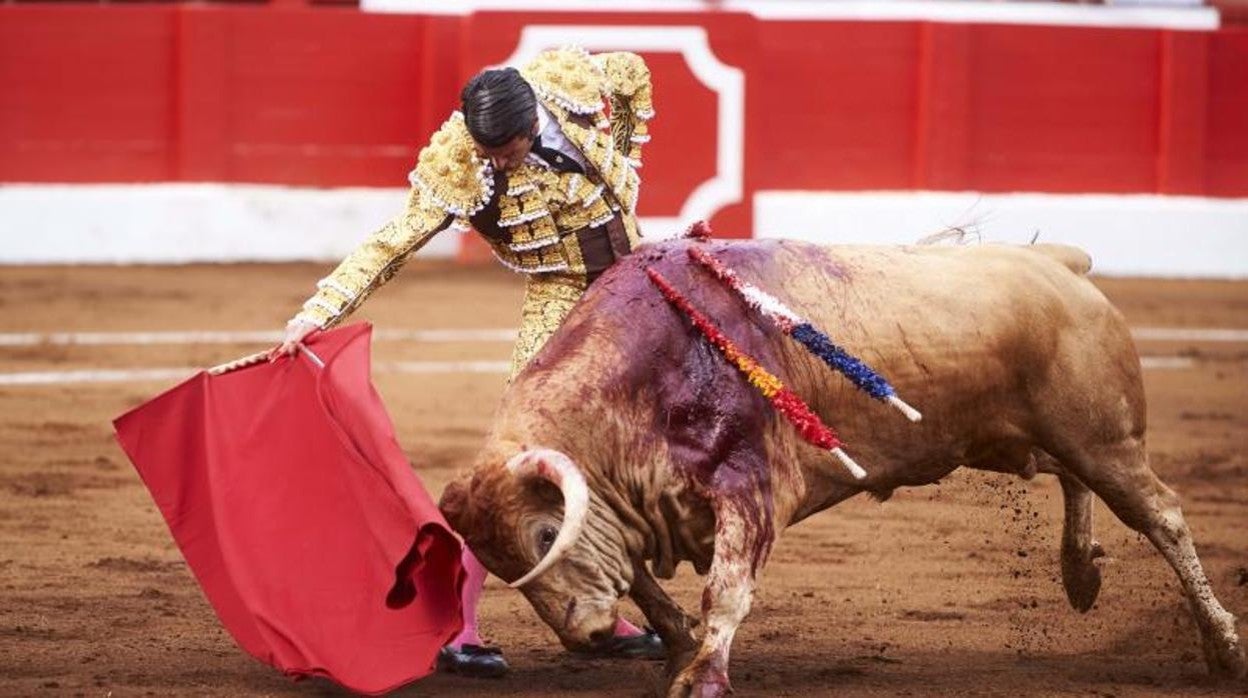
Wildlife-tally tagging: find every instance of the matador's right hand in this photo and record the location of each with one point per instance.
(296, 331)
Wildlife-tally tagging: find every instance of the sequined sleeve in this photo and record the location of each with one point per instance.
(629, 93)
(374, 262)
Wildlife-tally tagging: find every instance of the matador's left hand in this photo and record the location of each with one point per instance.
(296, 332)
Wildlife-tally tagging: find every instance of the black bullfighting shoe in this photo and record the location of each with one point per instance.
(473, 661)
(647, 645)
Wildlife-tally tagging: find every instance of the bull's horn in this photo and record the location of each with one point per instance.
(559, 469)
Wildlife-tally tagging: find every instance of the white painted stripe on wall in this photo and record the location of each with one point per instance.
(1127, 235)
(180, 223)
(1191, 16)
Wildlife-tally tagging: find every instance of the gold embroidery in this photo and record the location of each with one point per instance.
(629, 92)
(568, 77)
(374, 262)
(540, 208)
(570, 81)
(548, 298)
(449, 172)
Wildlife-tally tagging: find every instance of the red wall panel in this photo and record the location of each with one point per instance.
(833, 104)
(1183, 96)
(1062, 109)
(85, 94)
(293, 98)
(323, 106)
(1226, 145)
(336, 97)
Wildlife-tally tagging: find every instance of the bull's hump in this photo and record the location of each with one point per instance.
(1071, 257)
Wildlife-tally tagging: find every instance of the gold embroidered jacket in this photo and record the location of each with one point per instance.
(541, 207)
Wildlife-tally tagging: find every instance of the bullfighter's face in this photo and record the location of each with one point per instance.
(510, 155)
(513, 520)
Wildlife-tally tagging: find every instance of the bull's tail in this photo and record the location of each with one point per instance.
(1074, 258)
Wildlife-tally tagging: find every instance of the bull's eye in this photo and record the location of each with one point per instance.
(545, 538)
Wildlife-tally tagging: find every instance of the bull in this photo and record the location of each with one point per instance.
(629, 445)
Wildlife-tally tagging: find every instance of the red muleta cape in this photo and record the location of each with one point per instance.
(286, 491)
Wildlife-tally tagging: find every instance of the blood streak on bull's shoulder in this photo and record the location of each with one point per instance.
(713, 427)
(785, 401)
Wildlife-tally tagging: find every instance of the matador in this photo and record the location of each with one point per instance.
(543, 163)
(560, 212)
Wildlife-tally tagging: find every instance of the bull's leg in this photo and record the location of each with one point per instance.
(725, 603)
(1120, 475)
(1080, 576)
(665, 616)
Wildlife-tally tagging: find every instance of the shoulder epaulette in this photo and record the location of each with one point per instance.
(450, 173)
(568, 77)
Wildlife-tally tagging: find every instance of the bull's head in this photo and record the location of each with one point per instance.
(534, 520)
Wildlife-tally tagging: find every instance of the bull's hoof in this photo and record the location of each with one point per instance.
(699, 689)
(1226, 661)
(700, 680)
(1081, 577)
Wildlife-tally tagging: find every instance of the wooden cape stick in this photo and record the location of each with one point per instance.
(258, 357)
(243, 362)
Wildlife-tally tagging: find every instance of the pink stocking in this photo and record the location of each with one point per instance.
(469, 597)
(625, 629)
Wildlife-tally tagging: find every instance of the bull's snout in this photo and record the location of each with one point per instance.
(587, 626)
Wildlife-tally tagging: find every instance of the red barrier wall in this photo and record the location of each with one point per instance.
(336, 97)
(86, 94)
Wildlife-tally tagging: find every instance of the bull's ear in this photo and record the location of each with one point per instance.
(455, 504)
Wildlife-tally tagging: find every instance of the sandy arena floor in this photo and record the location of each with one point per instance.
(946, 590)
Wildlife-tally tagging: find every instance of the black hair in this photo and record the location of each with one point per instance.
(498, 105)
